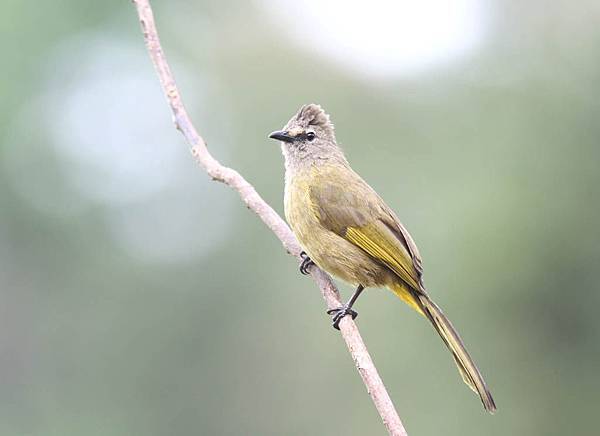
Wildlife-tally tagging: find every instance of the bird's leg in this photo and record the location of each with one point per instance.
(346, 309)
(306, 263)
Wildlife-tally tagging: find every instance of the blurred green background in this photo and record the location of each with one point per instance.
(140, 298)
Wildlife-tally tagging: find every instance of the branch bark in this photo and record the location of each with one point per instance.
(254, 202)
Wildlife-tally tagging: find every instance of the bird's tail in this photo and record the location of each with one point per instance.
(466, 367)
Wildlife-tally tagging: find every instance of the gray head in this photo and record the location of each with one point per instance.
(309, 136)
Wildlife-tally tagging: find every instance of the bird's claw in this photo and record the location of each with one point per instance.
(306, 263)
(339, 313)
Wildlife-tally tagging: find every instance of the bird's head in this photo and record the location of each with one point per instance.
(309, 135)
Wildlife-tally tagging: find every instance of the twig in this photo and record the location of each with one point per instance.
(250, 197)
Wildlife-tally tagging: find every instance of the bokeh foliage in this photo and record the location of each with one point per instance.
(135, 302)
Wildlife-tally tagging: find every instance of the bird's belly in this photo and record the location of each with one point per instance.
(342, 259)
(331, 252)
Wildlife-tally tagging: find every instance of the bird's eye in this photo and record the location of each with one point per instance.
(310, 136)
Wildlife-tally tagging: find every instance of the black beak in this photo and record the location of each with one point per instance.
(282, 135)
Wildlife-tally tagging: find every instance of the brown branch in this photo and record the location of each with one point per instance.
(250, 197)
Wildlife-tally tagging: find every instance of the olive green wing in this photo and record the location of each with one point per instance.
(355, 212)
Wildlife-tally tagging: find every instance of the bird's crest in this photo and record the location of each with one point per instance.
(314, 115)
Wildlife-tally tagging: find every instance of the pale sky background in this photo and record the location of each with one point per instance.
(383, 38)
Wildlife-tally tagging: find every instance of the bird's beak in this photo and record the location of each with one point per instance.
(282, 135)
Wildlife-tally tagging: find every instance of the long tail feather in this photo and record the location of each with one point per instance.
(467, 368)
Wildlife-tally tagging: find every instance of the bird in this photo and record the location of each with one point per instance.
(347, 230)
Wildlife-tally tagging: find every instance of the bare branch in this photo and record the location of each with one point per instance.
(250, 197)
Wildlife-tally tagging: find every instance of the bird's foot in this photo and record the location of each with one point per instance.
(339, 313)
(306, 263)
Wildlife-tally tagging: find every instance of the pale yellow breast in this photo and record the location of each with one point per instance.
(299, 212)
